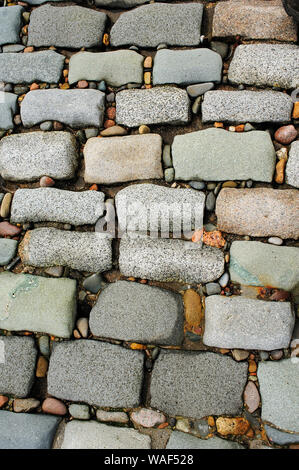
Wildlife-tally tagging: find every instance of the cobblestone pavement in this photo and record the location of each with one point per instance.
(163, 113)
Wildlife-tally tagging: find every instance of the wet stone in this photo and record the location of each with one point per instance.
(10, 24)
(181, 440)
(8, 107)
(8, 250)
(292, 168)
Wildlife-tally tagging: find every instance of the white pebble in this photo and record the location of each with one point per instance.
(275, 241)
(223, 281)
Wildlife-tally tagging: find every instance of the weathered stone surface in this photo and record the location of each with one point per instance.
(57, 205)
(292, 168)
(246, 106)
(147, 418)
(117, 68)
(241, 211)
(112, 416)
(262, 264)
(186, 66)
(79, 411)
(38, 304)
(158, 105)
(17, 364)
(280, 437)
(66, 26)
(254, 19)
(26, 431)
(29, 156)
(218, 155)
(43, 66)
(151, 25)
(143, 207)
(76, 108)
(8, 250)
(85, 251)
(118, 3)
(279, 382)
(120, 159)
(93, 435)
(238, 322)
(197, 384)
(265, 65)
(10, 24)
(8, 107)
(96, 373)
(136, 312)
(181, 440)
(169, 260)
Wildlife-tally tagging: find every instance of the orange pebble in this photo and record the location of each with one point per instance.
(34, 86)
(162, 425)
(137, 346)
(218, 124)
(109, 123)
(106, 39)
(94, 187)
(296, 110)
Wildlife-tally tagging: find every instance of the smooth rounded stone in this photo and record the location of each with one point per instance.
(169, 175)
(286, 134)
(262, 220)
(29, 156)
(265, 65)
(92, 132)
(279, 393)
(137, 312)
(54, 303)
(210, 201)
(54, 406)
(93, 435)
(8, 107)
(55, 271)
(21, 89)
(196, 105)
(46, 126)
(79, 411)
(199, 185)
(8, 249)
(212, 288)
(151, 25)
(261, 264)
(219, 47)
(169, 260)
(121, 159)
(222, 379)
(94, 283)
(44, 345)
(10, 24)
(9, 230)
(76, 108)
(67, 26)
(251, 397)
(96, 373)
(181, 440)
(116, 68)
(17, 361)
(275, 241)
(264, 355)
(5, 205)
(82, 326)
(9, 48)
(112, 416)
(292, 168)
(83, 251)
(57, 205)
(243, 106)
(199, 88)
(43, 66)
(25, 404)
(230, 156)
(239, 322)
(147, 418)
(167, 160)
(253, 20)
(276, 355)
(187, 66)
(224, 280)
(240, 354)
(113, 130)
(157, 105)
(279, 437)
(27, 430)
(143, 207)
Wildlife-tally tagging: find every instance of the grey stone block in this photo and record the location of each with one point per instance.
(57, 205)
(8, 107)
(93, 435)
(66, 26)
(151, 25)
(218, 155)
(187, 66)
(8, 250)
(27, 431)
(29, 156)
(87, 251)
(169, 260)
(117, 68)
(13, 48)
(280, 437)
(262, 264)
(241, 323)
(158, 105)
(10, 24)
(96, 373)
(121, 159)
(76, 108)
(292, 168)
(136, 312)
(265, 65)
(38, 304)
(246, 106)
(181, 440)
(279, 382)
(197, 384)
(144, 207)
(17, 365)
(43, 66)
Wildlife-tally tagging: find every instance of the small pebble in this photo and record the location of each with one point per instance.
(276, 355)
(148, 62)
(223, 281)
(3, 401)
(211, 186)
(9, 230)
(220, 47)
(196, 105)
(44, 345)
(275, 241)
(110, 98)
(24, 405)
(183, 424)
(251, 397)
(147, 418)
(5, 205)
(55, 271)
(169, 175)
(144, 129)
(102, 86)
(249, 127)
(54, 407)
(249, 183)
(46, 126)
(58, 126)
(212, 288)
(240, 354)
(199, 89)
(114, 130)
(46, 182)
(264, 355)
(167, 160)
(93, 283)
(82, 325)
(42, 367)
(112, 416)
(210, 201)
(199, 185)
(286, 134)
(162, 46)
(92, 132)
(82, 84)
(79, 411)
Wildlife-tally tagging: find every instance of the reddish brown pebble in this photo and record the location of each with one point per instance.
(109, 123)
(46, 182)
(111, 112)
(54, 407)
(285, 134)
(9, 230)
(3, 400)
(34, 86)
(57, 126)
(82, 84)
(42, 367)
(76, 334)
(29, 49)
